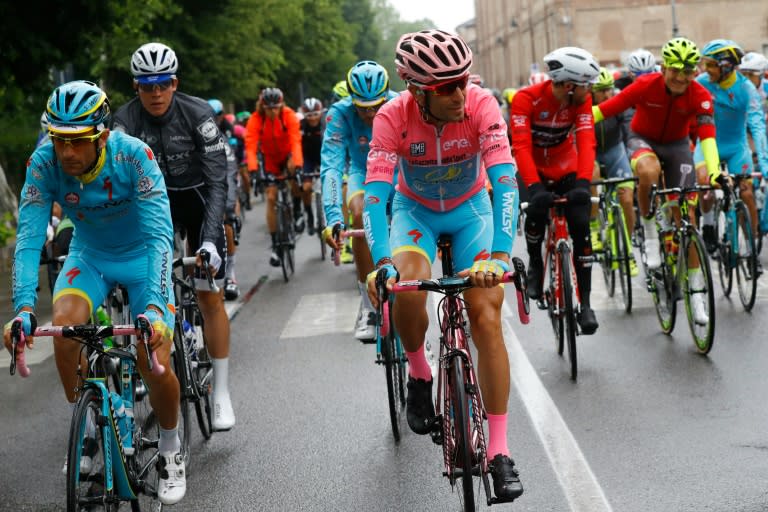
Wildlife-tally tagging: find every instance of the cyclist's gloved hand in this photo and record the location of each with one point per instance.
(215, 260)
(160, 330)
(541, 198)
(391, 274)
(28, 326)
(580, 193)
(492, 266)
(328, 234)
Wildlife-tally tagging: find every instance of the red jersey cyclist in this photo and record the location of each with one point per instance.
(543, 120)
(438, 134)
(666, 104)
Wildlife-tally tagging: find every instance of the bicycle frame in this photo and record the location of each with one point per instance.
(557, 236)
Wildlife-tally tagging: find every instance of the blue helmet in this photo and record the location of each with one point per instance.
(727, 53)
(216, 105)
(367, 83)
(77, 107)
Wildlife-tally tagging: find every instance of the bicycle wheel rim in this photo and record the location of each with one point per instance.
(703, 334)
(393, 386)
(568, 308)
(662, 291)
(624, 255)
(461, 427)
(554, 305)
(724, 263)
(746, 259)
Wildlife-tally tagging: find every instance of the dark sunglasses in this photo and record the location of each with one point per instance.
(448, 88)
(369, 110)
(75, 142)
(162, 86)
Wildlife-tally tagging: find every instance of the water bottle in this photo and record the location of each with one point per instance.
(189, 336)
(123, 425)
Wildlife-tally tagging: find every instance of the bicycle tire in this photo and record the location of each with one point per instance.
(394, 377)
(553, 303)
(146, 439)
(724, 264)
(462, 458)
(661, 283)
(623, 257)
(202, 373)
(607, 235)
(92, 491)
(569, 311)
(703, 335)
(283, 217)
(746, 259)
(180, 362)
(320, 221)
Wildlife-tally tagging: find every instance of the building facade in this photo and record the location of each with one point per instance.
(510, 37)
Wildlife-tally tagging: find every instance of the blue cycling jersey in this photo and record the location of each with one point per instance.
(738, 106)
(345, 141)
(124, 210)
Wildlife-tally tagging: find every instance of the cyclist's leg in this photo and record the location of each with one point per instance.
(78, 291)
(594, 223)
(270, 191)
(706, 202)
(306, 195)
(535, 227)
(366, 324)
(646, 165)
(232, 232)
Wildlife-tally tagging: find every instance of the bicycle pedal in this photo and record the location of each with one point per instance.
(542, 304)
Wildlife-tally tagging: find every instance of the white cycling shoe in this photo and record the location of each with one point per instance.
(365, 330)
(652, 255)
(172, 485)
(223, 415)
(90, 448)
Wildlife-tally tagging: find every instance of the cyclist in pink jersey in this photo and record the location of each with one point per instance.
(438, 135)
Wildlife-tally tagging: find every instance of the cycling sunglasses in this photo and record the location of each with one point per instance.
(150, 87)
(75, 142)
(447, 88)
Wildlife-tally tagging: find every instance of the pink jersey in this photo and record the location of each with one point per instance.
(439, 169)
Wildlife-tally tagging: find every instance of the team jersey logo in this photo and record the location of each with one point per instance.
(72, 198)
(416, 235)
(145, 184)
(72, 274)
(208, 130)
(149, 153)
(418, 148)
(373, 200)
(482, 255)
(706, 105)
(508, 180)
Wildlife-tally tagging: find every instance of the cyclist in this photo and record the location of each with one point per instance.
(737, 107)
(312, 127)
(537, 77)
(272, 134)
(110, 185)
(612, 154)
(232, 221)
(753, 66)
(191, 153)
(640, 62)
(438, 135)
(339, 93)
(666, 104)
(544, 118)
(347, 136)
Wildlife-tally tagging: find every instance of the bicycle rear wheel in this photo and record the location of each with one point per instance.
(608, 259)
(462, 426)
(554, 303)
(746, 259)
(703, 333)
(661, 284)
(86, 472)
(143, 464)
(724, 255)
(569, 310)
(180, 362)
(623, 257)
(202, 379)
(395, 373)
(283, 221)
(320, 220)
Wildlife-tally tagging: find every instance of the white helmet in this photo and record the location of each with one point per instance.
(154, 59)
(641, 61)
(755, 62)
(571, 64)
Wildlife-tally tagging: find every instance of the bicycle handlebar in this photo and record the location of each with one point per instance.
(614, 181)
(205, 256)
(89, 331)
(339, 235)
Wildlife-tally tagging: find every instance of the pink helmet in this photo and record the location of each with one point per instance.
(432, 56)
(537, 78)
(239, 131)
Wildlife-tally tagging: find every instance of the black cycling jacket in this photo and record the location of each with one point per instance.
(188, 147)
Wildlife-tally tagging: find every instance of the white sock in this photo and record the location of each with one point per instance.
(365, 298)
(169, 441)
(231, 266)
(650, 229)
(696, 279)
(220, 375)
(708, 218)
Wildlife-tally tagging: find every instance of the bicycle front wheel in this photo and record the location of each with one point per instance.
(395, 373)
(283, 227)
(662, 285)
(86, 471)
(554, 302)
(569, 310)
(702, 322)
(180, 361)
(746, 259)
(724, 254)
(320, 220)
(623, 257)
(608, 258)
(202, 380)
(461, 461)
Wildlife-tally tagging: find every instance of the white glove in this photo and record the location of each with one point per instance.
(215, 258)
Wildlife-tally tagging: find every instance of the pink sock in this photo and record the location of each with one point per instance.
(497, 435)
(418, 367)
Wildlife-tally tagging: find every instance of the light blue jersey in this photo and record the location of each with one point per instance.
(121, 218)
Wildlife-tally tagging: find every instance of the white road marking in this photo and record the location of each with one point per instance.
(579, 483)
(323, 313)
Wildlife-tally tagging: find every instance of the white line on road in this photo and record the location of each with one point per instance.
(579, 483)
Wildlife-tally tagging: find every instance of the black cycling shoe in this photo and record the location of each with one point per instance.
(419, 408)
(231, 290)
(710, 238)
(506, 479)
(587, 320)
(758, 268)
(535, 279)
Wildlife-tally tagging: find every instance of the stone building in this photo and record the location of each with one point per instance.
(510, 37)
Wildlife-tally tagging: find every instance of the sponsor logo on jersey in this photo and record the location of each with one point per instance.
(208, 130)
(373, 200)
(72, 274)
(145, 184)
(508, 180)
(418, 148)
(508, 212)
(72, 198)
(415, 235)
(456, 143)
(482, 255)
(149, 153)
(706, 105)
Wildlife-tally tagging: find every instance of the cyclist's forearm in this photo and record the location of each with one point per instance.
(375, 219)
(330, 182)
(505, 205)
(711, 156)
